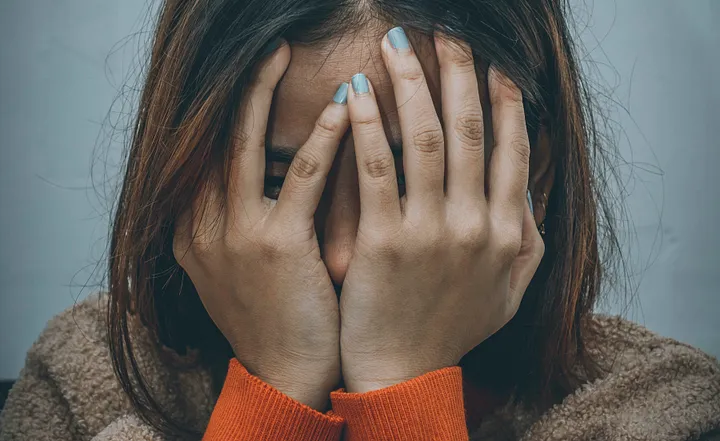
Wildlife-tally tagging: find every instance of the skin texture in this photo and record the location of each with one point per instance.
(313, 75)
(257, 265)
(453, 258)
(425, 277)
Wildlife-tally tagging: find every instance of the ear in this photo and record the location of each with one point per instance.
(542, 173)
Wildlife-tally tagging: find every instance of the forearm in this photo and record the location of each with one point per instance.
(250, 409)
(426, 408)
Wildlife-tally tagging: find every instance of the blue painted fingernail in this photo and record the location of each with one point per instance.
(529, 198)
(360, 84)
(398, 39)
(341, 94)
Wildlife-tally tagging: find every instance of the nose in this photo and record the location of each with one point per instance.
(338, 215)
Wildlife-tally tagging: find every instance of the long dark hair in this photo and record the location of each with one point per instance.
(203, 57)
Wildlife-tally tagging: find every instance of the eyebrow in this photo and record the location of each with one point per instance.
(285, 154)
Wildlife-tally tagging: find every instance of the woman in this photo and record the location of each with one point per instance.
(416, 258)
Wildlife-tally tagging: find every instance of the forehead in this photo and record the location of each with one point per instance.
(315, 73)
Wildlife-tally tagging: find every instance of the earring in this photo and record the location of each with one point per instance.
(541, 228)
(544, 205)
(530, 202)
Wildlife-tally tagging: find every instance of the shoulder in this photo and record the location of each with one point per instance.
(73, 345)
(71, 364)
(71, 357)
(621, 347)
(78, 329)
(651, 387)
(654, 387)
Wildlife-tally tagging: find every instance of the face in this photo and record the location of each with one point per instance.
(308, 85)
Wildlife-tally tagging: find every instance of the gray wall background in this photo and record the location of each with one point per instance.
(62, 63)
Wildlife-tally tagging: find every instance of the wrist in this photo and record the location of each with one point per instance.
(368, 383)
(362, 387)
(361, 378)
(311, 391)
(308, 384)
(317, 399)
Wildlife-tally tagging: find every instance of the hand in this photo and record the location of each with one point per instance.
(256, 264)
(436, 272)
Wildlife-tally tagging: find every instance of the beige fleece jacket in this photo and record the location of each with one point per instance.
(656, 388)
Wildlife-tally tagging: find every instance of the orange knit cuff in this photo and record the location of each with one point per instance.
(428, 407)
(250, 409)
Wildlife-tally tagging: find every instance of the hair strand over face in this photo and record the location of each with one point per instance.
(203, 57)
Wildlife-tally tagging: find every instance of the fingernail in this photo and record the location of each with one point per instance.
(341, 94)
(360, 84)
(270, 47)
(529, 198)
(398, 39)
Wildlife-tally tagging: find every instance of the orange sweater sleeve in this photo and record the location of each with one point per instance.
(250, 409)
(426, 408)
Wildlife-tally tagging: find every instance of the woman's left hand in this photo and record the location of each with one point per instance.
(441, 269)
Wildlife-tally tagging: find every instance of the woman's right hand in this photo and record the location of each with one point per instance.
(256, 265)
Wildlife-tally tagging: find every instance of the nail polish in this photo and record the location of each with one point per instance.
(341, 94)
(398, 39)
(360, 84)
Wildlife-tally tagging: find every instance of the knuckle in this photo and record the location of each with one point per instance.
(430, 233)
(428, 140)
(469, 128)
(430, 244)
(387, 249)
(370, 123)
(378, 243)
(327, 127)
(412, 73)
(201, 249)
(379, 166)
(464, 62)
(269, 246)
(505, 91)
(462, 59)
(305, 165)
(521, 148)
(511, 95)
(369, 126)
(472, 237)
(509, 247)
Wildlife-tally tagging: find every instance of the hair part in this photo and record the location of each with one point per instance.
(203, 57)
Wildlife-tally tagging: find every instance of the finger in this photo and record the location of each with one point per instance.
(307, 175)
(463, 116)
(422, 134)
(379, 196)
(529, 257)
(510, 161)
(248, 166)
